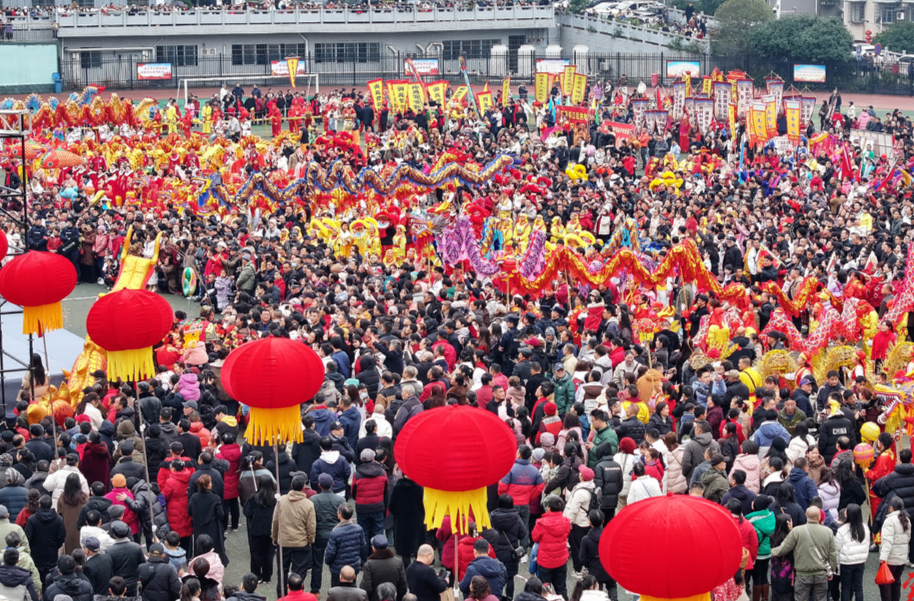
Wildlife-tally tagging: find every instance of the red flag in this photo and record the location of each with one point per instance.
(846, 169)
(659, 101)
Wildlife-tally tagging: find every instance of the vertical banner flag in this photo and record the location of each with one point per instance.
(466, 81)
(541, 92)
(706, 82)
(399, 95)
(759, 120)
(568, 79)
(638, 108)
(792, 114)
(721, 100)
(650, 120)
(505, 91)
(679, 96)
(662, 118)
(459, 94)
(771, 115)
(775, 87)
(292, 64)
(689, 109)
(416, 97)
(376, 87)
(807, 109)
(731, 115)
(704, 113)
(579, 88)
(485, 102)
(437, 92)
(745, 90)
(687, 78)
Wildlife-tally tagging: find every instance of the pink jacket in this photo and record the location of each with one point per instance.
(188, 387)
(749, 463)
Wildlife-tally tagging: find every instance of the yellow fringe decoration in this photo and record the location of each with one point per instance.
(702, 597)
(457, 505)
(283, 425)
(131, 365)
(42, 318)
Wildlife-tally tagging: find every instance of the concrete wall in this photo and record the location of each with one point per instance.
(604, 36)
(26, 67)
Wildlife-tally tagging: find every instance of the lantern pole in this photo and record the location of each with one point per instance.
(151, 500)
(456, 560)
(47, 362)
(282, 580)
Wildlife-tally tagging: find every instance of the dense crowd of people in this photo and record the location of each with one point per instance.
(134, 491)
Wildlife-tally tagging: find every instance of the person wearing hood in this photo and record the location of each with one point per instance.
(96, 461)
(46, 533)
(482, 565)
(159, 578)
(768, 431)
(351, 419)
(739, 491)
(306, 452)
(188, 386)
(370, 493)
(508, 532)
(224, 422)
(176, 501)
(16, 582)
(14, 495)
(330, 462)
(382, 567)
(230, 452)
(369, 375)
(295, 526)
(804, 488)
(286, 468)
(68, 583)
(332, 379)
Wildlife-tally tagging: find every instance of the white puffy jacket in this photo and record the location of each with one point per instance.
(850, 552)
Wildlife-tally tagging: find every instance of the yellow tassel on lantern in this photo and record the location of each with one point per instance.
(131, 365)
(42, 318)
(458, 505)
(283, 424)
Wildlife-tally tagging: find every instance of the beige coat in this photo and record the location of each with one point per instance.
(294, 520)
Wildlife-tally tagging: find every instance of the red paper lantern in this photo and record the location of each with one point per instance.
(455, 452)
(4, 244)
(37, 282)
(126, 324)
(672, 524)
(273, 376)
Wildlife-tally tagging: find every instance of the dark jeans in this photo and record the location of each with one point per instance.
(524, 512)
(372, 524)
(230, 506)
(577, 535)
(852, 581)
(294, 559)
(317, 565)
(557, 577)
(262, 551)
(611, 588)
(511, 567)
(892, 592)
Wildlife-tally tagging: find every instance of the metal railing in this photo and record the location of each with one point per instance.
(513, 16)
(623, 29)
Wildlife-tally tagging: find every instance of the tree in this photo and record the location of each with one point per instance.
(898, 36)
(802, 37)
(735, 18)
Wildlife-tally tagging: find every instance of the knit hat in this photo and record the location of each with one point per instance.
(627, 445)
(586, 474)
(547, 439)
(538, 454)
(119, 481)
(550, 408)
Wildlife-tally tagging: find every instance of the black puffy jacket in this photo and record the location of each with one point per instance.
(368, 375)
(69, 584)
(608, 477)
(159, 580)
(506, 534)
(286, 467)
(590, 555)
(901, 482)
(633, 428)
(833, 428)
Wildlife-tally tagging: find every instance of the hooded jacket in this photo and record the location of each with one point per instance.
(232, 454)
(14, 495)
(331, 463)
(491, 569)
(694, 452)
(295, 517)
(524, 482)
(383, 567)
(368, 375)
(306, 452)
(351, 419)
(323, 419)
(189, 387)
(169, 433)
(506, 534)
(369, 488)
(768, 431)
(803, 487)
(46, 532)
(16, 584)
(742, 494)
(69, 584)
(764, 523)
(159, 580)
(176, 502)
(551, 532)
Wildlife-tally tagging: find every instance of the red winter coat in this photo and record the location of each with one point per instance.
(232, 454)
(465, 554)
(96, 464)
(176, 500)
(551, 532)
(129, 516)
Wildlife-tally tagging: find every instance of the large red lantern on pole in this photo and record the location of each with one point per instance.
(273, 376)
(126, 324)
(455, 452)
(672, 523)
(37, 282)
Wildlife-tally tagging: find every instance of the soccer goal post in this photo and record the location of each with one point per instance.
(301, 78)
